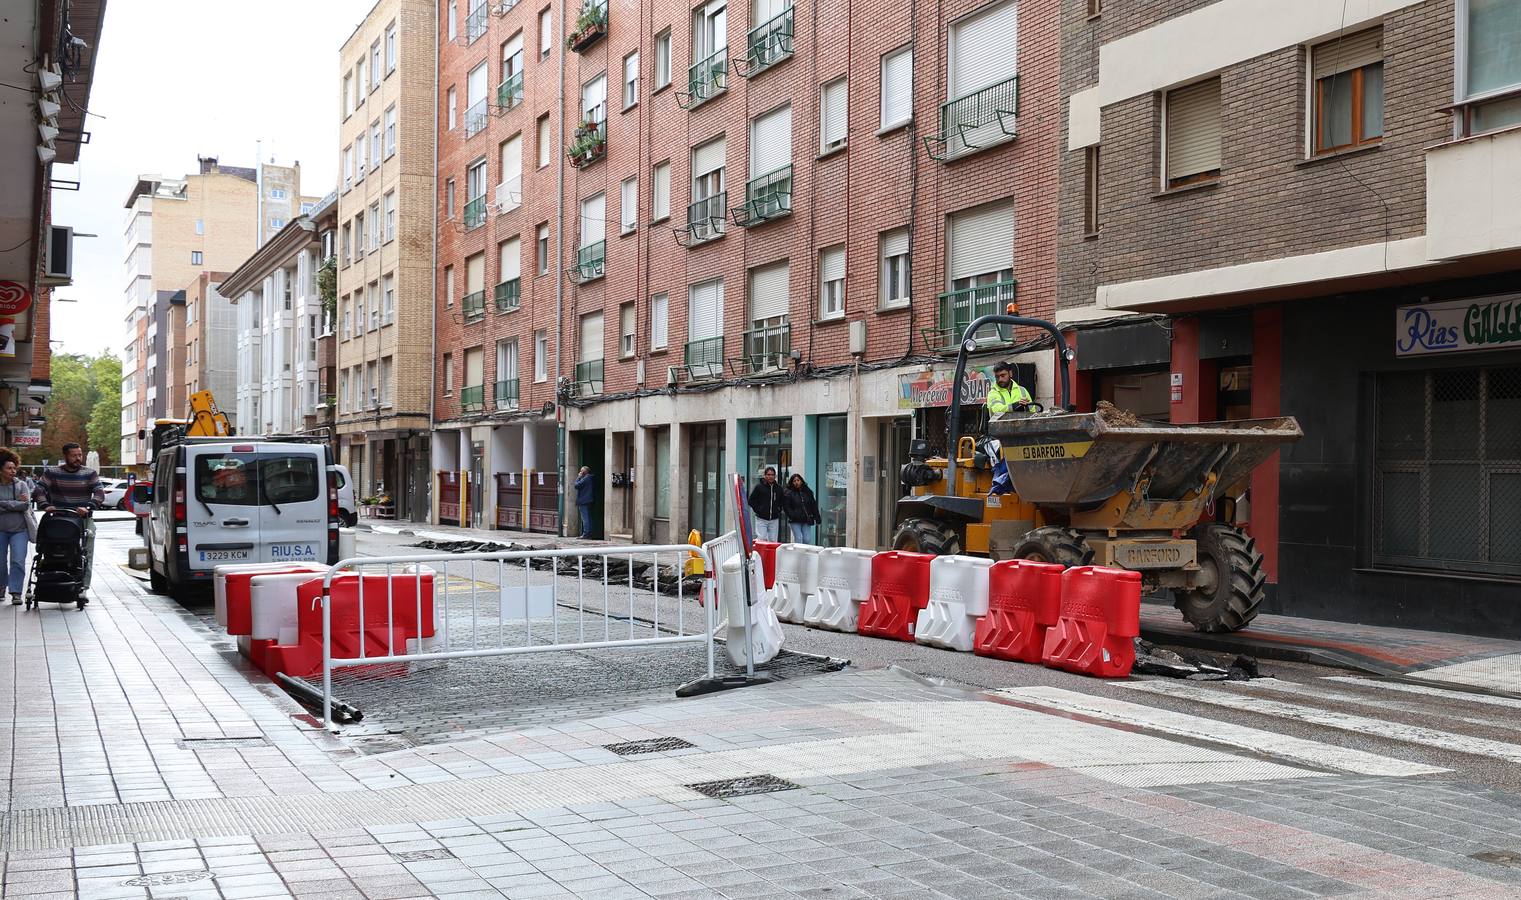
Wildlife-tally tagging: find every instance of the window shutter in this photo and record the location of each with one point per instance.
(895, 243)
(771, 142)
(475, 90)
(512, 159)
(763, 11)
(708, 158)
(705, 317)
(768, 291)
(591, 338)
(832, 264)
(475, 367)
(594, 98)
(512, 260)
(660, 307)
(544, 31)
(834, 112)
(1193, 129)
(898, 87)
(513, 47)
(1349, 53)
(593, 211)
(982, 50)
(475, 273)
(628, 204)
(662, 190)
(982, 241)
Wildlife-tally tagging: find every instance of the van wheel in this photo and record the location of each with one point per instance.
(158, 583)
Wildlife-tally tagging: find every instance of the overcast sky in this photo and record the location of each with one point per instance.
(180, 78)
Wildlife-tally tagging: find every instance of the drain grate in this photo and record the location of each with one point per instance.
(743, 787)
(221, 743)
(1499, 858)
(651, 745)
(163, 878)
(422, 855)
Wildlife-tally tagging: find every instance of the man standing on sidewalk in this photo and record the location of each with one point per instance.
(766, 503)
(586, 495)
(72, 486)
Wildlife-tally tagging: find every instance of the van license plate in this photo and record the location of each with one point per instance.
(292, 552)
(223, 555)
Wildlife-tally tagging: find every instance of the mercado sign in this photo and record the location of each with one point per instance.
(920, 390)
(1488, 323)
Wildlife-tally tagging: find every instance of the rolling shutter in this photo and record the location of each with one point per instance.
(593, 211)
(512, 159)
(1193, 129)
(982, 241)
(708, 158)
(475, 87)
(1349, 53)
(475, 367)
(898, 87)
(475, 273)
(511, 263)
(768, 291)
(895, 243)
(763, 11)
(662, 191)
(983, 50)
(771, 142)
(832, 264)
(513, 47)
(590, 349)
(705, 314)
(594, 99)
(833, 115)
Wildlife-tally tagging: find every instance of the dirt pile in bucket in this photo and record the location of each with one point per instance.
(1115, 417)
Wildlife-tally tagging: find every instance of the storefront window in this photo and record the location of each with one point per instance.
(770, 444)
(832, 479)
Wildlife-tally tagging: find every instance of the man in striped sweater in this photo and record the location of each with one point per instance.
(73, 486)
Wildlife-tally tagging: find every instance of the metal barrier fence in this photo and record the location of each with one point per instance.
(501, 604)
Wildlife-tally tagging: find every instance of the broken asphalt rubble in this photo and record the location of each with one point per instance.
(1153, 660)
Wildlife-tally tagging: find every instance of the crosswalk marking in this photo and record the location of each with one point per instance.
(1395, 731)
(1397, 704)
(1298, 750)
(1502, 672)
(1428, 690)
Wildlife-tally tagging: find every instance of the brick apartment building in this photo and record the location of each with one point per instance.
(679, 240)
(1296, 208)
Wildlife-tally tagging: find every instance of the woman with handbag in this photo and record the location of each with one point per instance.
(17, 527)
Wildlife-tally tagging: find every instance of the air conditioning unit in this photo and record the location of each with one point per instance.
(58, 265)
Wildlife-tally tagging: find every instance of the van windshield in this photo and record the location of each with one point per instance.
(233, 478)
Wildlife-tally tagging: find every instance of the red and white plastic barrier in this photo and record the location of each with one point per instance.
(844, 584)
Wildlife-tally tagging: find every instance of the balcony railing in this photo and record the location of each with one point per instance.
(705, 357)
(589, 377)
(705, 80)
(476, 118)
(958, 309)
(977, 120)
(591, 262)
(475, 23)
(509, 295)
(473, 398)
(767, 197)
(705, 219)
(768, 44)
(510, 92)
(590, 26)
(475, 213)
(590, 141)
(474, 306)
(507, 394)
(767, 349)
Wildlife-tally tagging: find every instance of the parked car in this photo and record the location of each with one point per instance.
(348, 511)
(116, 493)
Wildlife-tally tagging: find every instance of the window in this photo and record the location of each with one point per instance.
(391, 131)
(448, 285)
(385, 381)
(769, 338)
(348, 167)
(475, 101)
(770, 155)
(390, 206)
(359, 167)
(449, 199)
(453, 26)
(591, 261)
(348, 322)
(390, 48)
(449, 367)
(594, 99)
(541, 250)
(1491, 73)
(360, 90)
(374, 295)
(453, 103)
(389, 298)
(710, 30)
(709, 210)
(510, 91)
(375, 64)
(1348, 92)
(898, 88)
(1193, 134)
(376, 225)
(662, 191)
(896, 279)
(200, 226)
(631, 79)
(540, 355)
(344, 245)
(509, 192)
(195, 257)
(306, 207)
(626, 330)
(705, 328)
(981, 269)
(663, 59)
(475, 187)
(660, 311)
(377, 148)
(832, 282)
(475, 286)
(545, 147)
(276, 194)
(359, 308)
(1091, 190)
(832, 110)
(1095, 7)
(234, 478)
(981, 86)
(546, 35)
(628, 204)
(348, 95)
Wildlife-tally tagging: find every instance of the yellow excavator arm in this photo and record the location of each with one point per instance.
(206, 418)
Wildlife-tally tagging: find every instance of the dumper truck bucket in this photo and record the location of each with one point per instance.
(1079, 460)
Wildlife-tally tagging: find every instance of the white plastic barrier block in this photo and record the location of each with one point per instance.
(347, 538)
(219, 581)
(958, 596)
(797, 578)
(272, 602)
(844, 583)
(765, 630)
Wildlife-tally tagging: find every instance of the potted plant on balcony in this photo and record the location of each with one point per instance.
(588, 144)
(590, 25)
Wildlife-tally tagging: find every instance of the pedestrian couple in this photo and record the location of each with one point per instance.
(770, 501)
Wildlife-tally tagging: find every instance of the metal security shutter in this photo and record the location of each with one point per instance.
(898, 87)
(768, 291)
(475, 273)
(982, 49)
(1351, 52)
(982, 240)
(513, 47)
(833, 115)
(590, 349)
(511, 262)
(832, 264)
(593, 211)
(771, 142)
(895, 242)
(1193, 129)
(512, 159)
(708, 158)
(705, 310)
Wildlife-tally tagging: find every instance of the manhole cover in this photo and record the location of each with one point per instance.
(422, 855)
(221, 743)
(743, 787)
(652, 745)
(1499, 858)
(161, 878)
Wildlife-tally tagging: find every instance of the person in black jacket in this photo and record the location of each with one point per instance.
(802, 509)
(766, 503)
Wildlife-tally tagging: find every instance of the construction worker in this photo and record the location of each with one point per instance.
(1006, 396)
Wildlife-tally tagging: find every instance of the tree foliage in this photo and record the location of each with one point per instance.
(85, 408)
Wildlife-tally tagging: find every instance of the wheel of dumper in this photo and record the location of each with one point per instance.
(1050, 544)
(927, 536)
(1230, 583)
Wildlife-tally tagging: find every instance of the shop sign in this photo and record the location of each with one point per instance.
(1489, 323)
(15, 299)
(26, 437)
(921, 390)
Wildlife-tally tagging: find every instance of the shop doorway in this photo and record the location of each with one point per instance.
(593, 454)
(705, 473)
(832, 480)
(892, 443)
(477, 484)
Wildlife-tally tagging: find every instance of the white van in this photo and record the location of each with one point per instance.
(346, 505)
(254, 499)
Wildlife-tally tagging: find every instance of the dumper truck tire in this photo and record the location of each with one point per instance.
(927, 536)
(1054, 545)
(1231, 580)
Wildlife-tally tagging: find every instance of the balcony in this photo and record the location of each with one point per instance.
(976, 121)
(473, 398)
(1472, 194)
(768, 44)
(509, 295)
(510, 92)
(705, 220)
(767, 349)
(958, 309)
(475, 213)
(591, 263)
(475, 24)
(705, 358)
(475, 118)
(767, 197)
(507, 394)
(589, 378)
(705, 80)
(590, 27)
(473, 306)
(590, 142)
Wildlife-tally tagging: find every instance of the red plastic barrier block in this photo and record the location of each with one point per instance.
(767, 551)
(385, 630)
(899, 589)
(239, 599)
(1100, 619)
(1024, 600)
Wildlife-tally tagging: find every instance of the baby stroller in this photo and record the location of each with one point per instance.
(60, 561)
